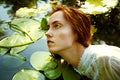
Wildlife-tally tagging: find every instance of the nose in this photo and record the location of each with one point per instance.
(49, 33)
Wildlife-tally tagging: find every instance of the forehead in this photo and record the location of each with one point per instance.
(57, 16)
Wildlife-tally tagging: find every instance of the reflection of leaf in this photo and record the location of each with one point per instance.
(9, 61)
(28, 74)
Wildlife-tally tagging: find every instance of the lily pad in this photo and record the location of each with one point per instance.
(28, 74)
(27, 31)
(30, 27)
(98, 6)
(42, 61)
(16, 50)
(53, 73)
(15, 40)
(3, 50)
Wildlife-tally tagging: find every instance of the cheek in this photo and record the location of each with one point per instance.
(66, 38)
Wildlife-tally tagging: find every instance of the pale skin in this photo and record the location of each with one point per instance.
(62, 40)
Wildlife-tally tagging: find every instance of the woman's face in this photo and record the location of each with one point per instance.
(60, 36)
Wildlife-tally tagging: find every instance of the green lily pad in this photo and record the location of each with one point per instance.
(98, 6)
(16, 50)
(15, 40)
(53, 73)
(30, 27)
(28, 74)
(95, 2)
(3, 50)
(27, 31)
(42, 61)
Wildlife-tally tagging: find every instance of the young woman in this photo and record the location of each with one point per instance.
(69, 36)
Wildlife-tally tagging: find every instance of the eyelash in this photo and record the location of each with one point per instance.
(57, 26)
(47, 27)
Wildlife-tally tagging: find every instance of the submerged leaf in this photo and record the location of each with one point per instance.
(9, 61)
(19, 56)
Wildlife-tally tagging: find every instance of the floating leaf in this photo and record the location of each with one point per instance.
(28, 74)
(15, 40)
(53, 68)
(26, 12)
(95, 2)
(3, 50)
(42, 61)
(28, 31)
(16, 50)
(98, 6)
(53, 73)
(29, 27)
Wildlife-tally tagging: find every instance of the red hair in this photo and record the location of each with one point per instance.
(79, 21)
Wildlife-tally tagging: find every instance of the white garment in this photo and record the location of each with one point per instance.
(100, 62)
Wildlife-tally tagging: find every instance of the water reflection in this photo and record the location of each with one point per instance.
(5, 16)
(4, 12)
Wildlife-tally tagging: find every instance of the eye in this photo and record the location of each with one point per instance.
(57, 26)
(47, 27)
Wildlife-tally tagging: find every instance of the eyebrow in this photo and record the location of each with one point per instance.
(55, 22)
(47, 26)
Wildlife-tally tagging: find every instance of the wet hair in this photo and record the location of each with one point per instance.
(79, 21)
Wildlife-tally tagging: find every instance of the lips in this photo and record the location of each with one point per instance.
(49, 42)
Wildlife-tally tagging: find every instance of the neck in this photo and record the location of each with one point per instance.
(73, 54)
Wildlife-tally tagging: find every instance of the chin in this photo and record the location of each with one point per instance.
(52, 51)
